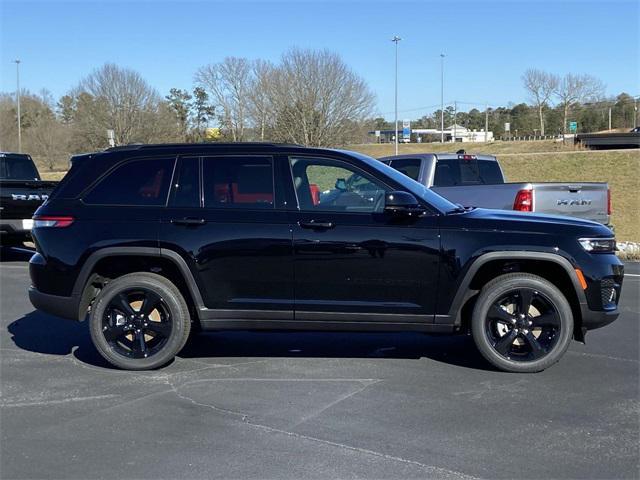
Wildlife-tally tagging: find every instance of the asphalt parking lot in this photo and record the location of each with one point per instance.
(312, 405)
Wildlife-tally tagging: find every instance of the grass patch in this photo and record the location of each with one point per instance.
(493, 148)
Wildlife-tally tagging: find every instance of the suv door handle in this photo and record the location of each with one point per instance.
(312, 224)
(188, 221)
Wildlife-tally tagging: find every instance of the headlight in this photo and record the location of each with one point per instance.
(598, 245)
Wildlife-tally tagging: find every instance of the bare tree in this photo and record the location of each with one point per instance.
(574, 89)
(260, 107)
(540, 85)
(229, 84)
(317, 99)
(115, 98)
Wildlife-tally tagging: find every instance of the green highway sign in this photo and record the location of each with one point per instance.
(573, 127)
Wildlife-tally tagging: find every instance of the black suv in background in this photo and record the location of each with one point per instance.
(151, 240)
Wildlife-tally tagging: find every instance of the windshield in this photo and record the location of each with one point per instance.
(17, 167)
(419, 190)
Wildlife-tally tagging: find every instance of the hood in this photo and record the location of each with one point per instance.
(512, 221)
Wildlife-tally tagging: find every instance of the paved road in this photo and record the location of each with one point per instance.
(312, 405)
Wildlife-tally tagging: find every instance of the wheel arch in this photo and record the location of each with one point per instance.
(113, 262)
(552, 267)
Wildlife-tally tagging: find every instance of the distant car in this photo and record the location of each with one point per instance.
(21, 193)
(478, 181)
(635, 130)
(149, 240)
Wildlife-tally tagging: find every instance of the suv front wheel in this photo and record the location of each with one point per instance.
(522, 323)
(139, 321)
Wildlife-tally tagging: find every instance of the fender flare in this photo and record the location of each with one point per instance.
(81, 282)
(463, 293)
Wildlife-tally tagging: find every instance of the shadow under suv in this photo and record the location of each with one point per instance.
(152, 240)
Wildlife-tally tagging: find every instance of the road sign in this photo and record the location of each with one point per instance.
(406, 129)
(573, 127)
(377, 133)
(507, 127)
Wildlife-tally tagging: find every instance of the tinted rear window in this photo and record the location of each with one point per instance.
(17, 167)
(409, 166)
(136, 182)
(466, 172)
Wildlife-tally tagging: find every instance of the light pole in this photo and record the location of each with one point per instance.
(17, 62)
(442, 98)
(395, 40)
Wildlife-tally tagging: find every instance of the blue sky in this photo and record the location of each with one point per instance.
(487, 44)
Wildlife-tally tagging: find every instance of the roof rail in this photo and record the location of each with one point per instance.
(144, 146)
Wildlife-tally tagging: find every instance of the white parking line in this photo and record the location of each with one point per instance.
(631, 275)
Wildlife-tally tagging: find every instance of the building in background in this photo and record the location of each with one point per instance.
(452, 134)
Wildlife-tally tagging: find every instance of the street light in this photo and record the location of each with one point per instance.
(395, 40)
(17, 62)
(442, 98)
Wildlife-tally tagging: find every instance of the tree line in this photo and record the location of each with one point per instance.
(554, 102)
(309, 97)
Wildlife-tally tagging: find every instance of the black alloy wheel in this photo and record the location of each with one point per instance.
(139, 321)
(521, 323)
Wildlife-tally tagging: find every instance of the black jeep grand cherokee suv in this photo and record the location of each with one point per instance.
(151, 240)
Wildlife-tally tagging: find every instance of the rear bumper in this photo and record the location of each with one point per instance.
(15, 228)
(64, 307)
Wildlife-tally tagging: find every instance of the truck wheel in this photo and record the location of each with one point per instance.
(522, 323)
(139, 321)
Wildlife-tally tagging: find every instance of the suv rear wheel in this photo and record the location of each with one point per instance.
(139, 321)
(522, 323)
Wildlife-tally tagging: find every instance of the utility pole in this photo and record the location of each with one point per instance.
(442, 98)
(635, 112)
(17, 62)
(395, 40)
(609, 118)
(486, 123)
(455, 120)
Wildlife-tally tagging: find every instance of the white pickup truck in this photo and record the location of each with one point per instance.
(478, 181)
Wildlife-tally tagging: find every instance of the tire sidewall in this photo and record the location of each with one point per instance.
(499, 287)
(174, 303)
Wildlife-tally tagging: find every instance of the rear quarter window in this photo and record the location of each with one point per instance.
(143, 182)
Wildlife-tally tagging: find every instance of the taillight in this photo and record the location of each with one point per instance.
(609, 201)
(48, 221)
(524, 201)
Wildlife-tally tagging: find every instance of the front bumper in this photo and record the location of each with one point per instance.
(592, 319)
(65, 307)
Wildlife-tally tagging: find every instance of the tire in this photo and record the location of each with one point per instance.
(139, 321)
(521, 323)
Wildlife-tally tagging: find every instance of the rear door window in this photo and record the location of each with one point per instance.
(238, 182)
(143, 182)
(452, 172)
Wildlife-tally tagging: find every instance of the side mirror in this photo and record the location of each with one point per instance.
(341, 184)
(402, 203)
